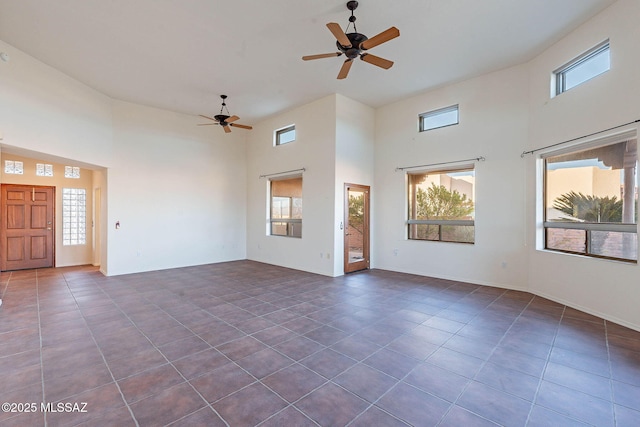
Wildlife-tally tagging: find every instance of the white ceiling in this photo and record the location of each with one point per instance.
(181, 55)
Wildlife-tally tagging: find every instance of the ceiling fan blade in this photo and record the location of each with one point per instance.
(207, 117)
(322, 55)
(384, 36)
(238, 125)
(231, 119)
(227, 129)
(339, 34)
(207, 124)
(376, 60)
(344, 71)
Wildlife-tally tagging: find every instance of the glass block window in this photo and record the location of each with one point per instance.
(43, 169)
(74, 216)
(13, 167)
(71, 172)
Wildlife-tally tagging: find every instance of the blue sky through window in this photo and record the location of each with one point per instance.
(588, 69)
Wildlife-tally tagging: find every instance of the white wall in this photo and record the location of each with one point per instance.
(50, 115)
(64, 255)
(334, 143)
(177, 189)
(605, 288)
(46, 111)
(493, 123)
(313, 149)
(501, 115)
(355, 137)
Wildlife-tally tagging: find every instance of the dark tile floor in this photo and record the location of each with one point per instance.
(244, 344)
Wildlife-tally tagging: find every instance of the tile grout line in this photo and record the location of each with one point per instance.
(544, 369)
(163, 355)
(99, 348)
(380, 296)
(441, 346)
(484, 362)
(44, 401)
(257, 380)
(361, 362)
(399, 380)
(611, 390)
(373, 404)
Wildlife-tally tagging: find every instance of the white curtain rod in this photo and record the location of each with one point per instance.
(524, 153)
(281, 173)
(476, 159)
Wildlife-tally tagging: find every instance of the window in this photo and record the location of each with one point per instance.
(439, 118)
(442, 205)
(588, 65)
(286, 207)
(13, 167)
(591, 201)
(74, 205)
(71, 172)
(43, 169)
(285, 135)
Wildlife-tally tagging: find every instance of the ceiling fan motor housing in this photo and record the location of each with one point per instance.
(221, 118)
(353, 51)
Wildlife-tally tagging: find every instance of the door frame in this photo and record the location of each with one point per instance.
(96, 227)
(366, 238)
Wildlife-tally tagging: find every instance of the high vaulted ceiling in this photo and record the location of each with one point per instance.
(181, 55)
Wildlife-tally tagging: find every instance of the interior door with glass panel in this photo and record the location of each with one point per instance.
(356, 227)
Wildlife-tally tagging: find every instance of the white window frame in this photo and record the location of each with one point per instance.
(560, 73)
(543, 224)
(291, 222)
(422, 118)
(278, 133)
(445, 222)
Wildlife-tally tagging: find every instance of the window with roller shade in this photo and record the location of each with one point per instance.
(286, 207)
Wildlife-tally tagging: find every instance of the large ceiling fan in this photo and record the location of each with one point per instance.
(224, 120)
(355, 44)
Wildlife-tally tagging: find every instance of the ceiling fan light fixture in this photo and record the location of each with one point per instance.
(354, 44)
(225, 120)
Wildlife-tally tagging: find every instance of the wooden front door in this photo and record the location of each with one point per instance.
(356, 227)
(26, 232)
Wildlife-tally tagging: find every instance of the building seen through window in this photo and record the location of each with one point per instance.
(591, 201)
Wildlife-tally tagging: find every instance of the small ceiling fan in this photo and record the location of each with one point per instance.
(355, 44)
(224, 120)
